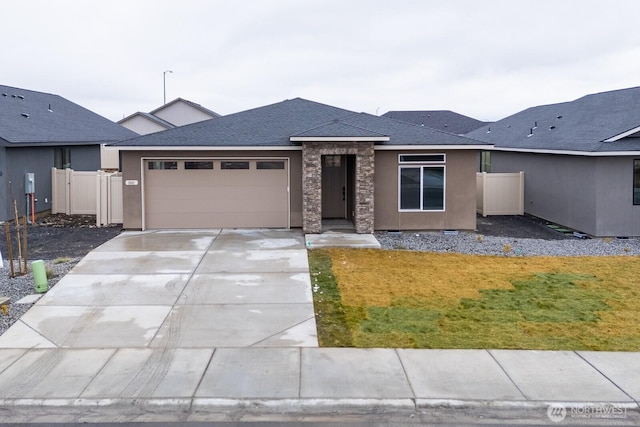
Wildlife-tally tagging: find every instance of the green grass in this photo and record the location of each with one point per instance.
(363, 299)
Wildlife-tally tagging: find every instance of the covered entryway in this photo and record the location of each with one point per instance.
(338, 189)
(216, 193)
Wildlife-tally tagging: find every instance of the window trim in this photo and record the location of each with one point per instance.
(421, 167)
(422, 162)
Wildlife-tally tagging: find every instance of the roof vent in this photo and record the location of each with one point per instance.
(535, 125)
(530, 133)
(25, 115)
(50, 110)
(13, 96)
(20, 96)
(489, 130)
(4, 94)
(552, 127)
(558, 117)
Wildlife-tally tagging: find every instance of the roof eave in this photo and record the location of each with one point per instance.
(623, 135)
(339, 139)
(569, 152)
(207, 148)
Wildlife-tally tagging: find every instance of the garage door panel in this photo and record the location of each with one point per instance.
(216, 198)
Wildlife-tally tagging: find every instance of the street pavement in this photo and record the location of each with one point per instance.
(218, 325)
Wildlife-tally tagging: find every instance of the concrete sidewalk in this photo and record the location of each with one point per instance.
(219, 326)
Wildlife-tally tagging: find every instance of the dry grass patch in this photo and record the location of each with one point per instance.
(435, 300)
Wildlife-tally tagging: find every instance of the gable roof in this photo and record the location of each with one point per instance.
(603, 122)
(211, 113)
(150, 117)
(281, 124)
(36, 118)
(443, 120)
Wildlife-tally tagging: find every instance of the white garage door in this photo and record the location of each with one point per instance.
(214, 193)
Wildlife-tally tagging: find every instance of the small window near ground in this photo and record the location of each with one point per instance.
(198, 165)
(636, 182)
(163, 165)
(421, 158)
(234, 165)
(269, 165)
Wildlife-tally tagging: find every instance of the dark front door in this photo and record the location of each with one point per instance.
(334, 186)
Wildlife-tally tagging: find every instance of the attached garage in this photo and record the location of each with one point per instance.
(216, 192)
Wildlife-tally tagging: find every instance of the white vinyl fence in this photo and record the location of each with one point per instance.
(500, 193)
(92, 193)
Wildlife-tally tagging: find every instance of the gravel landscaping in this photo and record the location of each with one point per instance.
(478, 244)
(61, 241)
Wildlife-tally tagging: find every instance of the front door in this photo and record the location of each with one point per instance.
(334, 186)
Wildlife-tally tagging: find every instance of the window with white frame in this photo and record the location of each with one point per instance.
(421, 182)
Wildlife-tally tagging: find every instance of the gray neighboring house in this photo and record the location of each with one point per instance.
(581, 160)
(39, 131)
(298, 163)
(444, 120)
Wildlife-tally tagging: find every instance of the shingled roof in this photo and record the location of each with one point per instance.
(36, 118)
(443, 120)
(278, 124)
(600, 122)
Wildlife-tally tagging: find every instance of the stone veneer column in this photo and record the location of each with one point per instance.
(311, 188)
(365, 168)
(312, 153)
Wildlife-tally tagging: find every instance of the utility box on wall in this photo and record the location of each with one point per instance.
(29, 183)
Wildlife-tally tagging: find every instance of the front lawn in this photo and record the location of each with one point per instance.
(378, 298)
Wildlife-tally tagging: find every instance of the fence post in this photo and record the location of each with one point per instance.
(521, 193)
(485, 196)
(68, 189)
(54, 190)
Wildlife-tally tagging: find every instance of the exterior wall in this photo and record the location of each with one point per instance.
(131, 171)
(615, 213)
(460, 193)
(38, 160)
(554, 186)
(593, 195)
(181, 113)
(312, 153)
(4, 185)
(142, 125)
(19, 162)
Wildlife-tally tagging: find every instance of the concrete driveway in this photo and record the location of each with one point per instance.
(179, 289)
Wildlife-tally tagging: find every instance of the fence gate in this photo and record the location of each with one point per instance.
(500, 193)
(90, 193)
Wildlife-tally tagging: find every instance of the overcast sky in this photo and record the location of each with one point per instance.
(485, 59)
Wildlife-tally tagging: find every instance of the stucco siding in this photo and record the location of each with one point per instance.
(460, 205)
(615, 214)
(593, 195)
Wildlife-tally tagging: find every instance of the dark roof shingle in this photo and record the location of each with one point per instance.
(275, 124)
(580, 125)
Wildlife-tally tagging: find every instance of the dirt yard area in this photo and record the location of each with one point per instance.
(56, 236)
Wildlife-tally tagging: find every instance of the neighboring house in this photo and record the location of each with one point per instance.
(581, 160)
(295, 164)
(39, 131)
(444, 120)
(178, 112)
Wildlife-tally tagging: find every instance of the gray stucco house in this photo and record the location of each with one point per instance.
(581, 160)
(295, 164)
(39, 131)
